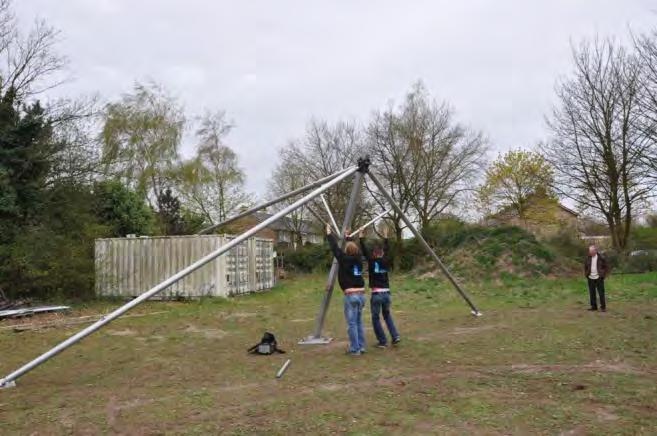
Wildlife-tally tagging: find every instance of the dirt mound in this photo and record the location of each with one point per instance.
(499, 252)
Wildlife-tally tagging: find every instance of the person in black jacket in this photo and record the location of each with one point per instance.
(350, 278)
(595, 271)
(380, 301)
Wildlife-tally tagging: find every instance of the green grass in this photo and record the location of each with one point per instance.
(536, 363)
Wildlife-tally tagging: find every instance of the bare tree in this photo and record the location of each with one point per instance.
(427, 160)
(646, 47)
(212, 183)
(29, 64)
(447, 157)
(323, 150)
(75, 124)
(390, 156)
(289, 176)
(597, 150)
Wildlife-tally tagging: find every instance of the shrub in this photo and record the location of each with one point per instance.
(309, 258)
(644, 238)
(122, 209)
(566, 244)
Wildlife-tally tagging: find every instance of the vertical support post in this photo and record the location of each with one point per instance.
(424, 244)
(316, 338)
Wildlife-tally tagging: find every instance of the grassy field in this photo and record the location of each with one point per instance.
(536, 363)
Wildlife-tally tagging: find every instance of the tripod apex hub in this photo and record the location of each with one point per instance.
(364, 164)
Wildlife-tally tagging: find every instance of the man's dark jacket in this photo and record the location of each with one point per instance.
(603, 268)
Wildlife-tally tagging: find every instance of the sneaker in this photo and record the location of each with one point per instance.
(352, 353)
(381, 345)
(363, 351)
(396, 341)
(603, 309)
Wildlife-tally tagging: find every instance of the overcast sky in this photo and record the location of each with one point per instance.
(271, 65)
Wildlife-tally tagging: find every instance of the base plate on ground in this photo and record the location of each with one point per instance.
(312, 340)
(11, 384)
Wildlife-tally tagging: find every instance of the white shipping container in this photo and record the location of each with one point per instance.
(127, 267)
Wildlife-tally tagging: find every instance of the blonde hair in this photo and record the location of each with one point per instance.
(351, 249)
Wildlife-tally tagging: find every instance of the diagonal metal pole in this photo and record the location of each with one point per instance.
(9, 380)
(370, 222)
(424, 244)
(330, 214)
(316, 337)
(274, 201)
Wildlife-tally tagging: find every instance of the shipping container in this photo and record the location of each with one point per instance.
(127, 267)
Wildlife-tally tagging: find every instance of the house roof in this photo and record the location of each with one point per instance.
(568, 210)
(285, 224)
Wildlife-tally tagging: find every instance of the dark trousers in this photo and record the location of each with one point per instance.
(380, 304)
(599, 285)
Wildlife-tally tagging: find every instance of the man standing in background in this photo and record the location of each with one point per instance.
(595, 269)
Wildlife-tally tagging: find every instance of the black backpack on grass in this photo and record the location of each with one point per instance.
(266, 346)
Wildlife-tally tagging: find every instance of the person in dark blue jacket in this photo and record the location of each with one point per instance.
(380, 301)
(350, 278)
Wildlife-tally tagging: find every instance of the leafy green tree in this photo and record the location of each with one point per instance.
(141, 137)
(122, 209)
(212, 183)
(176, 220)
(25, 149)
(519, 181)
(54, 256)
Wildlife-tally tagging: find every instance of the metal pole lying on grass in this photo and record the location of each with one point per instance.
(9, 379)
(316, 338)
(281, 371)
(424, 243)
(274, 201)
(370, 222)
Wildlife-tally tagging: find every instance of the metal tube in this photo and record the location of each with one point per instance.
(171, 280)
(333, 274)
(281, 371)
(328, 211)
(370, 222)
(424, 244)
(274, 201)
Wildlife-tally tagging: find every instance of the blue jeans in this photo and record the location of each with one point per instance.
(381, 302)
(353, 313)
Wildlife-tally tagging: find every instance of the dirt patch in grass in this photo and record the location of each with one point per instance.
(207, 333)
(122, 332)
(598, 366)
(238, 315)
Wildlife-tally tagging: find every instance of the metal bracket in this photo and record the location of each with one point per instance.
(312, 340)
(7, 385)
(364, 164)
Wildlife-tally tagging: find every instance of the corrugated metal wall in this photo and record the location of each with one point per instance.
(130, 266)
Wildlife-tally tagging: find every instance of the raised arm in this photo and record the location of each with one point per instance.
(333, 243)
(363, 247)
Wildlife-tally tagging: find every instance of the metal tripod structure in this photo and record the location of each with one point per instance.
(318, 188)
